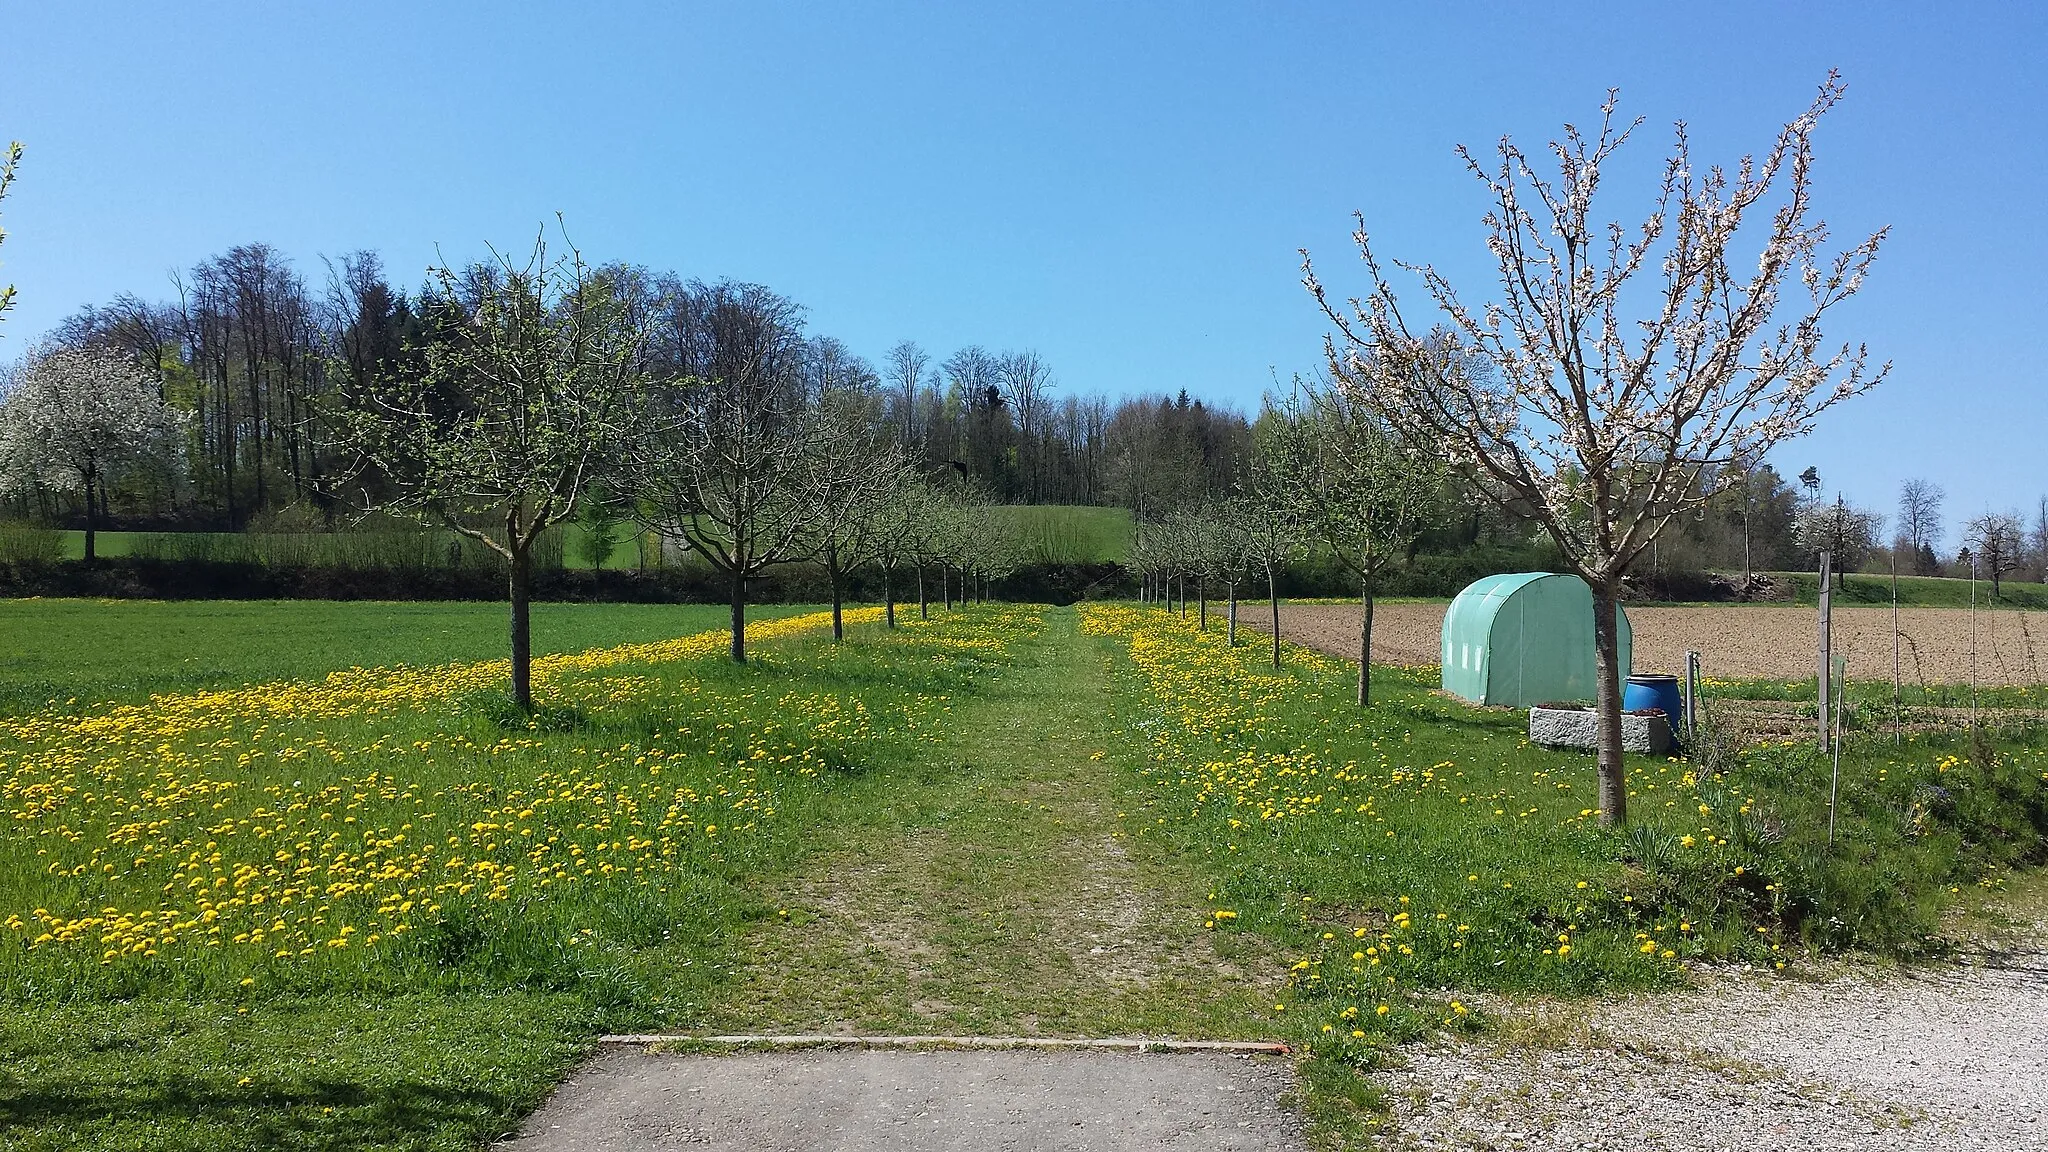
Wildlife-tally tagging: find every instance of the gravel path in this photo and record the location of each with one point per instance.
(1953, 1058)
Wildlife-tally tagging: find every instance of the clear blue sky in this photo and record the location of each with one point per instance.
(1121, 186)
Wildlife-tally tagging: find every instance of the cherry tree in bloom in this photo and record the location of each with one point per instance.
(1616, 369)
(76, 420)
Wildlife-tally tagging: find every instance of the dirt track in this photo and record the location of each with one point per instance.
(1735, 641)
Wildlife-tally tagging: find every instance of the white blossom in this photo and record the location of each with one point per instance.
(1604, 428)
(76, 419)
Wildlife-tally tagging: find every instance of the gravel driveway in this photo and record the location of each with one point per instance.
(1948, 1058)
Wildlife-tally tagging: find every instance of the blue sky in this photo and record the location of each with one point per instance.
(1122, 187)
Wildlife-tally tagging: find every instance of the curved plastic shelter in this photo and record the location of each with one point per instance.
(1524, 638)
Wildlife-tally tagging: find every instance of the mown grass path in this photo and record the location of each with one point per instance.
(998, 893)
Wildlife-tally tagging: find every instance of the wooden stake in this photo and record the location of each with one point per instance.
(1898, 712)
(1826, 653)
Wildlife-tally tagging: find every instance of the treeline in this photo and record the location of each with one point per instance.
(254, 356)
(254, 361)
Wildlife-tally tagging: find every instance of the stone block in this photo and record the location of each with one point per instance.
(1576, 727)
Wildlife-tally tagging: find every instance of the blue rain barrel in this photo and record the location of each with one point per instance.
(1659, 692)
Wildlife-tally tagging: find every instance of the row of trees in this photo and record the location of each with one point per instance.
(521, 393)
(708, 417)
(1324, 471)
(1994, 545)
(252, 358)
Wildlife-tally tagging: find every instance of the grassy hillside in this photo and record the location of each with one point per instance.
(1918, 591)
(1070, 533)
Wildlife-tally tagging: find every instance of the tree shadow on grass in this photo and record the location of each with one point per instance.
(315, 1113)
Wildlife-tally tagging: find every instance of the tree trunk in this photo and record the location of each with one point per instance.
(1202, 598)
(924, 611)
(1607, 705)
(889, 594)
(520, 591)
(946, 584)
(1233, 613)
(1273, 594)
(838, 624)
(739, 615)
(91, 524)
(1365, 607)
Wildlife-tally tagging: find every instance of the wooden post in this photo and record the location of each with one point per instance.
(1973, 646)
(1898, 712)
(1826, 653)
(1692, 695)
(1835, 778)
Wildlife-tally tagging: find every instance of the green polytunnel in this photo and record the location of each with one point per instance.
(1524, 638)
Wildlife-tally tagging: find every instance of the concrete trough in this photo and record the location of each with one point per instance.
(1646, 732)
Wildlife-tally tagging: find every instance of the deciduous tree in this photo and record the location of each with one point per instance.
(905, 524)
(721, 456)
(1268, 511)
(905, 365)
(75, 420)
(1599, 426)
(1847, 533)
(525, 376)
(852, 471)
(1363, 489)
(1998, 540)
(1919, 515)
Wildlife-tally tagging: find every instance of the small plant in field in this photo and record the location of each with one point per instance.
(603, 522)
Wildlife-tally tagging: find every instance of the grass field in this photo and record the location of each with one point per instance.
(90, 651)
(382, 910)
(1069, 533)
(372, 913)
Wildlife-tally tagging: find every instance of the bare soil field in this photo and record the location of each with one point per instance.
(1736, 641)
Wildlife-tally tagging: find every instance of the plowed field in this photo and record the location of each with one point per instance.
(1737, 641)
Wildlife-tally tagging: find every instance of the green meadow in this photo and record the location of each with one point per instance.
(383, 909)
